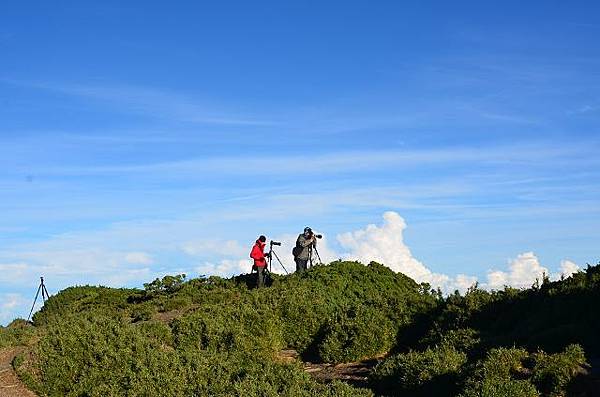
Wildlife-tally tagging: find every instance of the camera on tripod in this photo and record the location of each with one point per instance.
(275, 243)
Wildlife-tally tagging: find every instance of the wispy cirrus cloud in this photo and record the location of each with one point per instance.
(344, 161)
(585, 109)
(151, 102)
(11, 306)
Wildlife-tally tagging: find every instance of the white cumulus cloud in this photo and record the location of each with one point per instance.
(522, 272)
(567, 268)
(385, 244)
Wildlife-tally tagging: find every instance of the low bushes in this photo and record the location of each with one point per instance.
(222, 329)
(102, 356)
(503, 372)
(224, 337)
(515, 372)
(18, 332)
(108, 301)
(346, 311)
(220, 337)
(431, 372)
(552, 373)
(356, 333)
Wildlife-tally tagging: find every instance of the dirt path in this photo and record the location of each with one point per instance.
(10, 385)
(355, 374)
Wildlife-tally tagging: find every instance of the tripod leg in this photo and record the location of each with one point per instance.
(318, 256)
(46, 291)
(279, 260)
(34, 300)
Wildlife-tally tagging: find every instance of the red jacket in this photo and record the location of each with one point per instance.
(258, 254)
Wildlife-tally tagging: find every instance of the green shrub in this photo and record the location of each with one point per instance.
(18, 332)
(275, 380)
(310, 304)
(109, 302)
(142, 312)
(356, 333)
(166, 285)
(174, 303)
(495, 375)
(506, 388)
(462, 339)
(508, 372)
(157, 331)
(431, 372)
(553, 372)
(231, 328)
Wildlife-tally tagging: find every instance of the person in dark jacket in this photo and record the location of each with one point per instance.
(303, 250)
(260, 261)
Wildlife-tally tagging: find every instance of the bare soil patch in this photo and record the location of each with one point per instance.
(10, 385)
(355, 373)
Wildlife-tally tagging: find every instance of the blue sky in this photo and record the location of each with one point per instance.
(148, 138)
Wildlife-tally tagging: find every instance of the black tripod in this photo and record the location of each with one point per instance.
(273, 253)
(310, 256)
(45, 295)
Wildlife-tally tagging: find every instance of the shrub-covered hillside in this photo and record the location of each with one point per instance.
(220, 337)
(213, 336)
(505, 343)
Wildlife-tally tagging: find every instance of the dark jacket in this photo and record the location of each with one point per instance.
(303, 247)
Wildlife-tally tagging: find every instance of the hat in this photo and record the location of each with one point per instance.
(307, 230)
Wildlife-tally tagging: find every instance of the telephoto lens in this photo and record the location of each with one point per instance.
(318, 235)
(275, 242)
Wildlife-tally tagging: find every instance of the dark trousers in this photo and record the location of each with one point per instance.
(301, 265)
(260, 276)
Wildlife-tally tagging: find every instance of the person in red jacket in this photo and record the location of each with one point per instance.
(260, 261)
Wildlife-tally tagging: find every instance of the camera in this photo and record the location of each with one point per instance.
(275, 242)
(318, 235)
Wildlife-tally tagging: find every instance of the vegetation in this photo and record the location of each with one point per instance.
(432, 372)
(220, 337)
(511, 342)
(18, 332)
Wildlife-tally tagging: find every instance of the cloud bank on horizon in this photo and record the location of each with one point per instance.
(385, 244)
(382, 243)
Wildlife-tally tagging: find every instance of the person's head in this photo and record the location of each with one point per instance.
(262, 239)
(307, 231)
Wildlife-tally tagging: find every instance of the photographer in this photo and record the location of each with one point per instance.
(303, 250)
(260, 262)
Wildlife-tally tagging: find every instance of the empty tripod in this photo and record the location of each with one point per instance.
(45, 295)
